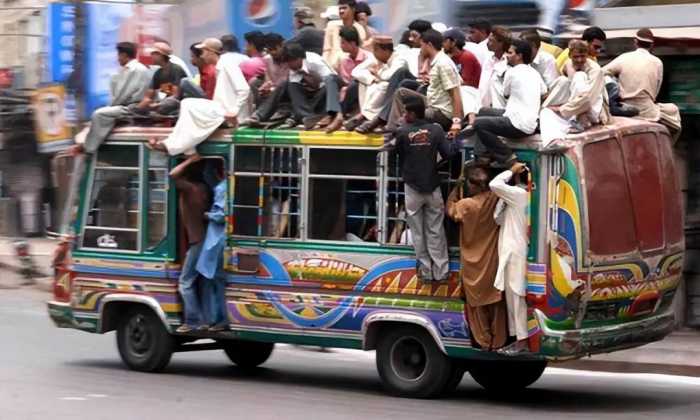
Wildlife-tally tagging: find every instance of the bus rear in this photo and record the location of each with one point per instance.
(616, 242)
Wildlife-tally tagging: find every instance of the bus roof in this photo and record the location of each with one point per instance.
(351, 139)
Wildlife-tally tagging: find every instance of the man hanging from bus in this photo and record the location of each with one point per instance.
(210, 261)
(417, 143)
(193, 198)
(511, 216)
(478, 246)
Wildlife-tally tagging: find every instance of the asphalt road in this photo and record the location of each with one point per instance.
(50, 373)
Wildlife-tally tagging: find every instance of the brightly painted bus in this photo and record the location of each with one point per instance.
(316, 254)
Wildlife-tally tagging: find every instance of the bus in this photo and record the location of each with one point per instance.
(316, 254)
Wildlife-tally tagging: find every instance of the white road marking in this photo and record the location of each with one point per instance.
(73, 399)
(96, 396)
(654, 377)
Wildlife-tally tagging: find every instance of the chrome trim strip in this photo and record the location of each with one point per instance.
(146, 300)
(404, 317)
(642, 323)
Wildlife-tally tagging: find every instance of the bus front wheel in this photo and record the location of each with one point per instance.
(247, 354)
(410, 363)
(502, 376)
(144, 343)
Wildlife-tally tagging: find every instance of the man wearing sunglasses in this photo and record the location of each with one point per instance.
(595, 38)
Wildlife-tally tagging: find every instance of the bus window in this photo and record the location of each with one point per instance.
(112, 217)
(157, 198)
(343, 186)
(267, 192)
(610, 215)
(397, 229)
(641, 158)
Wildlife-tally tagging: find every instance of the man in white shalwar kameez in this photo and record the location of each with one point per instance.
(373, 75)
(511, 214)
(576, 102)
(199, 118)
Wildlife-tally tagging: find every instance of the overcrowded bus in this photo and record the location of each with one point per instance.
(317, 254)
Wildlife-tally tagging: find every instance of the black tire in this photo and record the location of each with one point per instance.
(509, 376)
(455, 379)
(144, 343)
(410, 363)
(247, 354)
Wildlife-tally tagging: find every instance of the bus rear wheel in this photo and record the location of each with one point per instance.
(410, 363)
(499, 376)
(247, 354)
(144, 343)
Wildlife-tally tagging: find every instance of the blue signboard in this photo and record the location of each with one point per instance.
(61, 35)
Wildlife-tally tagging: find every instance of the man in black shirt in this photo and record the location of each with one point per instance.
(166, 80)
(417, 143)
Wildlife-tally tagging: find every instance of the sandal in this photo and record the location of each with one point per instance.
(368, 126)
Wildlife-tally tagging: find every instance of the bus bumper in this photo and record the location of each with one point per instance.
(558, 344)
(61, 314)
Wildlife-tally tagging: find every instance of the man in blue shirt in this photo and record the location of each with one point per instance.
(210, 262)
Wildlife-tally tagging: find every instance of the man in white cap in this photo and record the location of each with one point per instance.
(165, 85)
(201, 117)
(640, 74)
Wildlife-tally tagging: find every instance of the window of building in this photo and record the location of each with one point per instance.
(112, 220)
(267, 192)
(343, 192)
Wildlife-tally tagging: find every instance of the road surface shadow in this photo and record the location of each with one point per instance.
(565, 396)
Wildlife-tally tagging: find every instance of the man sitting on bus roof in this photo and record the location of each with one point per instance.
(418, 143)
(349, 92)
(443, 98)
(478, 249)
(312, 87)
(127, 88)
(416, 67)
(373, 76)
(640, 74)
(524, 88)
(199, 118)
(164, 93)
(576, 102)
(594, 38)
(542, 61)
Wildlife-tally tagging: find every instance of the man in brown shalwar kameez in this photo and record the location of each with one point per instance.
(485, 308)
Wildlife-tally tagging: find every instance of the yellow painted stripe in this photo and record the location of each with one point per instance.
(339, 138)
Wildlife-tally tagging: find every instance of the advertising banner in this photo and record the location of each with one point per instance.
(52, 130)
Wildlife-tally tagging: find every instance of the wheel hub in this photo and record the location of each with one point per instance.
(139, 337)
(408, 359)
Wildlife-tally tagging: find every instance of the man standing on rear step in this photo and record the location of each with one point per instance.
(417, 144)
(193, 198)
(511, 215)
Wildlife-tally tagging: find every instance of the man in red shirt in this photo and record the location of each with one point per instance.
(467, 64)
(207, 74)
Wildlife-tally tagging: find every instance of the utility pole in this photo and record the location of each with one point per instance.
(77, 82)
